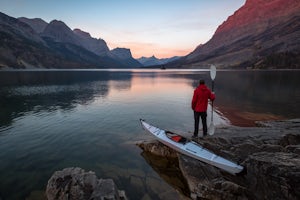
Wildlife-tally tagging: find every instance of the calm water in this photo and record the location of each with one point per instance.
(90, 119)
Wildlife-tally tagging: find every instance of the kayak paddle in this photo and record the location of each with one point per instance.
(213, 72)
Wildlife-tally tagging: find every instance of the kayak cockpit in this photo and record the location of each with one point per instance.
(175, 137)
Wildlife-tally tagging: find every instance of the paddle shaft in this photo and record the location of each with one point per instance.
(212, 102)
(213, 73)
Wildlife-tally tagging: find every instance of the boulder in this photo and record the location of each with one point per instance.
(75, 183)
(157, 148)
(274, 175)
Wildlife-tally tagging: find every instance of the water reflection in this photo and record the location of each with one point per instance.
(55, 119)
(243, 97)
(19, 100)
(38, 91)
(168, 169)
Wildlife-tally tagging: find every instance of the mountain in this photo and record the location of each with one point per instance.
(9, 24)
(153, 61)
(33, 43)
(261, 34)
(18, 42)
(97, 46)
(58, 31)
(125, 56)
(22, 47)
(37, 24)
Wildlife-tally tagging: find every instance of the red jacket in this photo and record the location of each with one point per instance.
(200, 98)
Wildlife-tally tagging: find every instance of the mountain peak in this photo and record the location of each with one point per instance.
(60, 32)
(57, 23)
(259, 13)
(81, 33)
(97, 46)
(37, 24)
(122, 53)
(56, 46)
(14, 25)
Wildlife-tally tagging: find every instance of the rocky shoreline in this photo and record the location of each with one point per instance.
(270, 153)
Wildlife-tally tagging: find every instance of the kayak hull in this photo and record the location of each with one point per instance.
(192, 149)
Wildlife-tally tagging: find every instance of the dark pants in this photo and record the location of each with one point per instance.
(197, 116)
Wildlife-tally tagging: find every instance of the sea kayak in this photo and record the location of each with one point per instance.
(191, 148)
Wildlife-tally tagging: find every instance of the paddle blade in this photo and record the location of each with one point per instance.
(211, 129)
(213, 72)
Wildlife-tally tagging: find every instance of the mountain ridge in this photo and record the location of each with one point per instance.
(36, 24)
(153, 61)
(60, 32)
(97, 46)
(34, 43)
(252, 37)
(260, 34)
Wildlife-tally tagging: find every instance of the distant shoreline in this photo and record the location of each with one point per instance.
(131, 69)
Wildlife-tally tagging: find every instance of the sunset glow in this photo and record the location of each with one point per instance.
(161, 28)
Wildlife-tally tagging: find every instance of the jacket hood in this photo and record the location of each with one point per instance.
(202, 87)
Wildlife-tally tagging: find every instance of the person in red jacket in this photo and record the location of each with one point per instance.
(199, 106)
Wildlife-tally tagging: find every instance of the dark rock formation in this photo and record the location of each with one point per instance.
(270, 154)
(75, 183)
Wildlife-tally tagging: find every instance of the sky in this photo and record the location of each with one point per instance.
(163, 28)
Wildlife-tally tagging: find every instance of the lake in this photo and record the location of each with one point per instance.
(53, 119)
